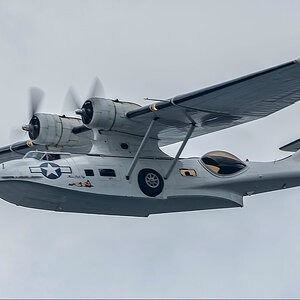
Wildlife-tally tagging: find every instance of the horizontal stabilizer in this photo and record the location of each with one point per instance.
(292, 147)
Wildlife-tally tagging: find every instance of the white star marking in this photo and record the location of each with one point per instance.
(50, 170)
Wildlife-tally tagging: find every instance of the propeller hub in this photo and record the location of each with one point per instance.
(79, 111)
(25, 127)
(33, 128)
(86, 112)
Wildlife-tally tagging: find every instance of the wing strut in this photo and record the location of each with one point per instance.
(137, 155)
(188, 135)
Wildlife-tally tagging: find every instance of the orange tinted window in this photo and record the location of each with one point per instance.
(220, 162)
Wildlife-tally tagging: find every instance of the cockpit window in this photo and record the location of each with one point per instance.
(222, 163)
(44, 155)
(34, 154)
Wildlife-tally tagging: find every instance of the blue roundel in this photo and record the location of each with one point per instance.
(50, 170)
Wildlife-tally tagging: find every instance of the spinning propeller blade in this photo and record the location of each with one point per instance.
(97, 89)
(72, 101)
(36, 96)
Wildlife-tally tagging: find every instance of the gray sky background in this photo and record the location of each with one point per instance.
(151, 49)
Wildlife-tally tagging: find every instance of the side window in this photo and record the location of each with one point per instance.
(188, 172)
(107, 172)
(89, 172)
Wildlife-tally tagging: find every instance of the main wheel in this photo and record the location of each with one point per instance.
(150, 182)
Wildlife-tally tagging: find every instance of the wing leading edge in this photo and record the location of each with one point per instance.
(222, 106)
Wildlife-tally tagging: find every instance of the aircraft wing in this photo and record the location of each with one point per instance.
(16, 150)
(221, 106)
(210, 109)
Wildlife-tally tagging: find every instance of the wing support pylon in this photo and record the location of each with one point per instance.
(137, 154)
(187, 137)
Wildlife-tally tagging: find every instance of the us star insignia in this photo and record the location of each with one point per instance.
(50, 170)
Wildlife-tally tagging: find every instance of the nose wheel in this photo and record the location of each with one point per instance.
(150, 182)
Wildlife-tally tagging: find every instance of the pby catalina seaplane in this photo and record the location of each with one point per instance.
(109, 160)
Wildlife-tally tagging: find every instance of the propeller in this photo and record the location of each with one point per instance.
(97, 89)
(36, 96)
(73, 102)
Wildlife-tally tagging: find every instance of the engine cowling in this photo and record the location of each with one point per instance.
(105, 114)
(53, 130)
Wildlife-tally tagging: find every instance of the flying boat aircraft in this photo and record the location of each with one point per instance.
(108, 160)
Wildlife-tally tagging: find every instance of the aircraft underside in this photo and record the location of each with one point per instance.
(46, 197)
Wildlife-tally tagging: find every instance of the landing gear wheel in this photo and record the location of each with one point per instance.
(150, 182)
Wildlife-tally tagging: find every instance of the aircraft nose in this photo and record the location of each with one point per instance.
(10, 169)
(3, 172)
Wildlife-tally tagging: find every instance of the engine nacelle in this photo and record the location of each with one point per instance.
(53, 130)
(105, 114)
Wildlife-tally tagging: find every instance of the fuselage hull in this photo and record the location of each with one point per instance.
(72, 188)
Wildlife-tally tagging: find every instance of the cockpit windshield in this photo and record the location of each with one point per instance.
(34, 154)
(43, 155)
(222, 163)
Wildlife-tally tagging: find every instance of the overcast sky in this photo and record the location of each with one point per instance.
(151, 49)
